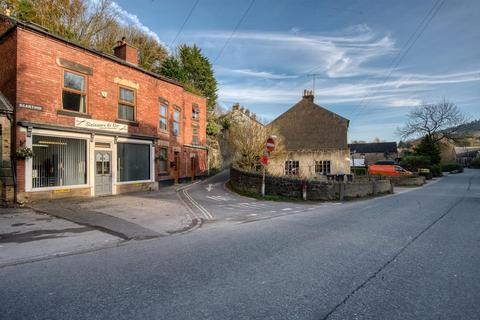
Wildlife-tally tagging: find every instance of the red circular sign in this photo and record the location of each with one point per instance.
(270, 145)
(264, 160)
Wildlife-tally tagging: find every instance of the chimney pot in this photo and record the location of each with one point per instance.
(126, 52)
(308, 94)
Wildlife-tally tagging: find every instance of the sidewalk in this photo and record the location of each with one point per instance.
(136, 216)
(26, 236)
(67, 226)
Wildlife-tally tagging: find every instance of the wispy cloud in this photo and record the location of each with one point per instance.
(254, 73)
(128, 18)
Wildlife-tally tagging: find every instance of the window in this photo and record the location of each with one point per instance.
(133, 162)
(176, 123)
(195, 135)
(163, 116)
(322, 167)
(58, 162)
(292, 167)
(126, 104)
(163, 158)
(74, 93)
(195, 112)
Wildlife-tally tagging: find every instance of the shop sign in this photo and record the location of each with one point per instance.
(61, 191)
(100, 125)
(30, 106)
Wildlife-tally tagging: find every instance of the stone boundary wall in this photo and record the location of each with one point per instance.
(408, 181)
(251, 182)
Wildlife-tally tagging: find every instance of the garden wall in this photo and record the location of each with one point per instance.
(251, 182)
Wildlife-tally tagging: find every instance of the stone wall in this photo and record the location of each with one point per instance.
(408, 181)
(250, 182)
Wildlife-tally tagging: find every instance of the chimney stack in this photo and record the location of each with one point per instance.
(126, 52)
(236, 106)
(308, 94)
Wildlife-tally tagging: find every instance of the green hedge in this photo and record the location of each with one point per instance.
(475, 163)
(449, 167)
(359, 171)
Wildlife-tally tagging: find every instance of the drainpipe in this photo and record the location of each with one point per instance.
(13, 152)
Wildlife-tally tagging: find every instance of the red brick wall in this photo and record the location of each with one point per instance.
(39, 80)
(8, 66)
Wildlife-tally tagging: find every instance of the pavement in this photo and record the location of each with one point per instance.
(412, 255)
(26, 236)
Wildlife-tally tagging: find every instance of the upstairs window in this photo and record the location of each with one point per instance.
(163, 117)
(322, 167)
(176, 123)
(292, 168)
(195, 112)
(74, 93)
(195, 135)
(126, 104)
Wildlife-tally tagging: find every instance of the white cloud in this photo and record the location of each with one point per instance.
(128, 18)
(254, 73)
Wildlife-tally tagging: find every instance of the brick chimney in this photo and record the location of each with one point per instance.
(308, 94)
(126, 52)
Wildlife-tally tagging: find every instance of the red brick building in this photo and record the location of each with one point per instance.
(97, 124)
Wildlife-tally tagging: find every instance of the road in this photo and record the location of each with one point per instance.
(413, 255)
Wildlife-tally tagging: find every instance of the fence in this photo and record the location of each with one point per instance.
(296, 188)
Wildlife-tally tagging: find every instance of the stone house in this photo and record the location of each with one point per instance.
(6, 172)
(372, 152)
(315, 141)
(98, 124)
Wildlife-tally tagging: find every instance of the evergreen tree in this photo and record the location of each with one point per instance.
(430, 149)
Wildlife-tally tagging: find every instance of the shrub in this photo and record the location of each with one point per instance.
(359, 171)
(436, 170)
(449, 167)
(427, 175)
(413, 163)
(475, 163)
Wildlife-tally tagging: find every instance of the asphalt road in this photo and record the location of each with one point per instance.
(413, 255)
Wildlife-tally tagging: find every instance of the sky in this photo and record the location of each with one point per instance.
(369, 61)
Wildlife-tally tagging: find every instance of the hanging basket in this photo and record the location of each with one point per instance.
(24, 153)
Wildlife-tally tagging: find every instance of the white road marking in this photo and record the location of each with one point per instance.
(218, 198)
(207, 214)
(210, 187)
(286, 209)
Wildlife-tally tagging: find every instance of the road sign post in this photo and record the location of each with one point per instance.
(269, 147)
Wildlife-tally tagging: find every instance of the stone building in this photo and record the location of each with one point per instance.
(315, 141)
(97, 124)
(6, 172)
(372, 152)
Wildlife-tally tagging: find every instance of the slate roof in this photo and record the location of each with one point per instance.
(5, 106)
(375, 147)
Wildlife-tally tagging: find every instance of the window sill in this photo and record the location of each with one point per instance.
(74, 114)
(130, 123)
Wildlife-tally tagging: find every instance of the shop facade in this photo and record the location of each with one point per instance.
(96, 124)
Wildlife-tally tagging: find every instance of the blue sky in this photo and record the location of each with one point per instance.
(349, 45)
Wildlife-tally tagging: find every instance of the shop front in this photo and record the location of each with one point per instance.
(80, 163)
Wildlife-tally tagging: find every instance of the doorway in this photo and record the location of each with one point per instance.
(103, 173)
(176, 159)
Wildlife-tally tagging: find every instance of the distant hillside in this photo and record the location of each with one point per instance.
(471, 129)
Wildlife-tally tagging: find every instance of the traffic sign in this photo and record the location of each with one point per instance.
(270, 144)
(264, 160)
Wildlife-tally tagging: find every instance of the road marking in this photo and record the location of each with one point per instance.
(286, 209)
(207, 214)
(218, 198)
(210, 187)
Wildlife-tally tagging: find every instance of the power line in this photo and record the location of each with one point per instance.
(234, 30)
(415, 36)
(184, 23)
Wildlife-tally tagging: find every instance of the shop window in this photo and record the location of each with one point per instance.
(163, 116)
(195, 135)
(74, 94)
(292, 168)
(163, 159)
(58, 162)
(322, 167)
(126, 104)
(176, 123)
(195, 112)
(133, 162)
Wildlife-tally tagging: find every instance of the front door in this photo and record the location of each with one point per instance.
(176, 158)
(103, 173)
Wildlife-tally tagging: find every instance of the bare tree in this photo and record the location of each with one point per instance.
(437, 121)
(248, 139)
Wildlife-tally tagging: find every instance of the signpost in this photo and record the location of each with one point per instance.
(269, 147)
